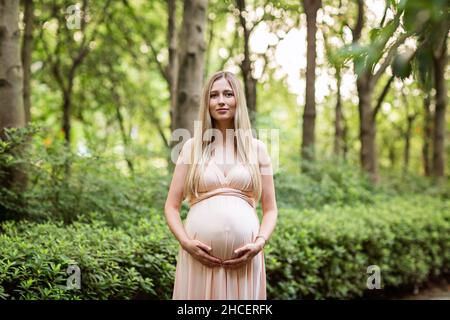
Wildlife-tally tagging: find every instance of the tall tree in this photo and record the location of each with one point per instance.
(172, 66)
(246, 64)
(337, 64)
(431, 61)
(309, 115)
(11, 74)
(339, 120)
(64, 68)
(12, 113)
(27, 50)
(411, 116)
(440, 63)
(366, 58)
(169, 71)
(423, 71)
(427, 135)
(191, 64)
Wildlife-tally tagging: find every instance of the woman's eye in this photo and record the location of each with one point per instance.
(229, 94)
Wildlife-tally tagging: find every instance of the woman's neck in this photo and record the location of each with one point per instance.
(223, 127)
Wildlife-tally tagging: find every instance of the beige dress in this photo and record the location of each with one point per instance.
(224, 218)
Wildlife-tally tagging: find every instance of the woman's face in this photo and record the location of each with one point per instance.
(222, 102)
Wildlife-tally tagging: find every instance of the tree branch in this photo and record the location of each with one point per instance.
(382, 96)
(259, 20)
(390, 55)
(356, 31)
(162, 69)
(230, 49)
(84, 47)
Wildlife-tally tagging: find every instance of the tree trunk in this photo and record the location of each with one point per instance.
(67, 110)
(309, 115)
(11, 74)
(410, 118)
(439, 62)
(338, 119)
(172, 73)
(427, 135)
(246, 65)
(345, 146)
(209, 50)
(250, 90)
(12, 114)
(27, 50)
(76, 58)
(191, 64)
(172, 67)
(391, 154)
(407, 137)
(367, 129)
(367, 115)
(125, 137)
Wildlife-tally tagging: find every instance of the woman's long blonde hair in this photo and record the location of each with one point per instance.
(243, 139)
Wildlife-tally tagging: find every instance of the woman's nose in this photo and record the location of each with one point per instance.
(221, 101)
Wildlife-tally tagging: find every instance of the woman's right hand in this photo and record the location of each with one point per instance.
(200, 252)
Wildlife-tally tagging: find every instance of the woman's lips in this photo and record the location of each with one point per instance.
(222, 110)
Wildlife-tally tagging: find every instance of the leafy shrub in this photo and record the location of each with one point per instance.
(93, 187)
(324, 182)
(313, 254)
(114, 263)
(317, 254)
(396, 183)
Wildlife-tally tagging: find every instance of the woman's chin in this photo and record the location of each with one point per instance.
(223, 117)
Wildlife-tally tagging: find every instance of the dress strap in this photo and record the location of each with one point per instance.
(247, 196)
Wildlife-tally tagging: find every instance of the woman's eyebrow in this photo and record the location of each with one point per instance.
(225, 90)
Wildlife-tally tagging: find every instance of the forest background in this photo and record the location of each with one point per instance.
(349, 96)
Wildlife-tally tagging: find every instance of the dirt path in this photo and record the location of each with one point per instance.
(435, 291)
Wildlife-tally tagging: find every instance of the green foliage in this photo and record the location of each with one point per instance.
(429, 19)
(366, 56)
(132, 263)
(314, 254)
(393, 184)
(422, 14)
(324, 254)
(324, 182)
(12, 143)
(402, 64)
(93, 188)
(87, 209)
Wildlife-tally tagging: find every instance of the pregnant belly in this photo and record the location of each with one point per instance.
(224, 223)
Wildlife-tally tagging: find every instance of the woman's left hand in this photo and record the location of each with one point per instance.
(244, 255)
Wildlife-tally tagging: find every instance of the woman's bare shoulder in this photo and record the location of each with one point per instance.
(263, 157)
(259, 144)
(189, 141)
(185, 152)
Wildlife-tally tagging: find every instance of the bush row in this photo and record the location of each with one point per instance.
(133, 263)
(313, 254)
(326, 254)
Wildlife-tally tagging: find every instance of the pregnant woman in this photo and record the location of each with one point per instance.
(223, 172)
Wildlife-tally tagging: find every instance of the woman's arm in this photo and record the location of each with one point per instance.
(268, 199)
(196, 248)
(175, 197)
